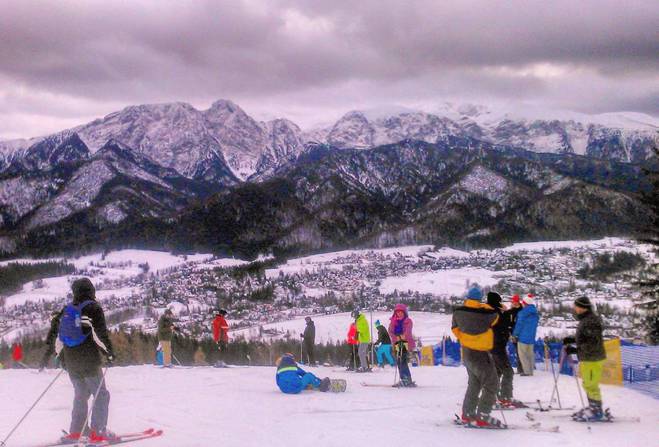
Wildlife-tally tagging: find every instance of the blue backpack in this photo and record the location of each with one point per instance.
(70, 326)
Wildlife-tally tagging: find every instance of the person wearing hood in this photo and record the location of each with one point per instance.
(400, 331)
(591, 354)
(383, 345)
(364, 338)
(308, 341)
(79, 336)
(524, 334)
(291, 379)
(472, 325)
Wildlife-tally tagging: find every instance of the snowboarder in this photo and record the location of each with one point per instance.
(291, 379)
(383, 345)
(353, 343)
(400, 330)
(308, 341)
(472, 325)
(591, 354)
(524, 334)
(221, 335)
(505, 373)
(364, 339)
(79, 336)
(166, 330)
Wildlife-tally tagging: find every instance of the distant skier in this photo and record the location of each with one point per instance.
(79, 335)
(505, 373)
(400, 330)
(472, 325)
(383, 345)
(17, 355)
(353, 343)
(291, 379)
(221, 335)
(308, 341)
(166, 330)
(591, 354)
(364, 339)
(524, 334)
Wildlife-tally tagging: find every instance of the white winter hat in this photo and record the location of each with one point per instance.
(528, 300)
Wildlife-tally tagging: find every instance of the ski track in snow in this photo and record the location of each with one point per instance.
(242, 407)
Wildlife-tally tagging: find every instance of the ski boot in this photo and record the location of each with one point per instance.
(592, 413)
(484, 420)
(325, 384)
(405, 383)
(70, 438)
(509, 404)
(102, 437)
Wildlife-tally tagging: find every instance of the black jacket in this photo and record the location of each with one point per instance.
(165, 328)
(310, 333)
(502, 330)
(589, 338)
(83, 360)
(383, 336)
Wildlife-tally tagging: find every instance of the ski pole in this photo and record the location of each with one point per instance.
(176, 360)
(91, 409)
(4, 441)
(576, 380)
(556, 377)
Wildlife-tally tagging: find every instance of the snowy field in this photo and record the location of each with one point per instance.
(442, 282)
(242, 407)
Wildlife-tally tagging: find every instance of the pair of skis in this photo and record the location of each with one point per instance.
(532, 417)
(535, 426)
(121, 439)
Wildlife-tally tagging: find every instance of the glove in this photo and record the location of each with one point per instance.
(110, 359)
(569, 340)
(570, 349)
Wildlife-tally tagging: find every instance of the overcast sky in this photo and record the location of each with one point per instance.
(63, 63)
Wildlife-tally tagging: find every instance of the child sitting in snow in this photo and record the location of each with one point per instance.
(292, 379)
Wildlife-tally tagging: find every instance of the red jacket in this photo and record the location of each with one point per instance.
(17, 353)
(352, 335)
(220, 329)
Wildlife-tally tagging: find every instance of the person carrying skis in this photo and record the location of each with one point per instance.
(472, 325)
(291, 379)
(166, 330)
(524, 334)
(79, 336)
(364, 339)
(221, 334)
(353, 343)
(591, 354)
(505, 373)
(400, 331)
(309, 340)
(383, 345)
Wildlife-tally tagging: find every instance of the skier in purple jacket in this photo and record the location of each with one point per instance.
(400, 330)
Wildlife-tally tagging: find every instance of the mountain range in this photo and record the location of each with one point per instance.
(171, 175)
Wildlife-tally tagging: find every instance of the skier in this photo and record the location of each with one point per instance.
(364, 339)
(400, 330)
(221, 335)
(353, 342)
(81, 336)
(291, 379)
(505, 373)
(472, 325)
(383, 345)
(166, 330)
(308, 341)
(524, 334)
(17, 355)
(515, 308)
(591, 354)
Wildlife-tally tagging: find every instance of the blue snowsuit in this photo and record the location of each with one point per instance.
(291, 379)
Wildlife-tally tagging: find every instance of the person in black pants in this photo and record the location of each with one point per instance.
(308, 341)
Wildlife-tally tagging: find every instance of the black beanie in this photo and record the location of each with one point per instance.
(494, 299)
(583, 302)
(83, 289)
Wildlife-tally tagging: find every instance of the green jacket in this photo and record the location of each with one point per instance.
(363, 329)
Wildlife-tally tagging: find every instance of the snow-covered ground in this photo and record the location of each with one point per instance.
(441, 282)
(242, 407)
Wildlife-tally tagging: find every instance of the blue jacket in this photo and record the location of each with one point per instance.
(289, 376)
(527, 324)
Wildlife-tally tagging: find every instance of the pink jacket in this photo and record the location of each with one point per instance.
(407, 327)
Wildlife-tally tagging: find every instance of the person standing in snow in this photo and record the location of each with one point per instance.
(221, 334)
(472, 325)
(308, 341)
(364, 339)
(515, 308)
(524, 334)
(591, 354)
(17, 355)
(291, 379)
(166, 330)
(383, 345)
(353, 343)
(79, 336)
(400, 331)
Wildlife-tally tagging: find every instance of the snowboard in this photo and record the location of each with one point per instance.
(338, 385)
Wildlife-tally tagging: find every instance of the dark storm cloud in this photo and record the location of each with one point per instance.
(59, 57)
